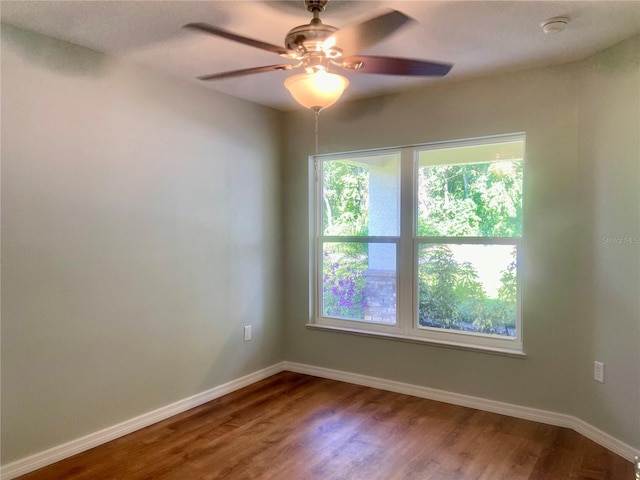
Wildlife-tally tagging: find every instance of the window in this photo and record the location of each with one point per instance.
(422, 243)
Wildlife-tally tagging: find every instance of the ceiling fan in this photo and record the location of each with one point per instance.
(317, 47)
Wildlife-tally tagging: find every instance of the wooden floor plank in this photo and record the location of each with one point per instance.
(292, 426)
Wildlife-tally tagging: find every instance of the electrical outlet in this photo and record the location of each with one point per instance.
(598, 371)
(247, 333)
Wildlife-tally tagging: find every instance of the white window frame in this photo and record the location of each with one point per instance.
(318, 240)
(407, 244)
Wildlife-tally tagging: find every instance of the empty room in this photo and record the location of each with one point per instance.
(359, 240)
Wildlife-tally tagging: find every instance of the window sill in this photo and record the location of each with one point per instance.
(425, 341)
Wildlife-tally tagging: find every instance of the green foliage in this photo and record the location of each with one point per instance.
(451, 295)
(437, 287)
(507, 295)
(509, 289)
(345, 191)
(479, 200)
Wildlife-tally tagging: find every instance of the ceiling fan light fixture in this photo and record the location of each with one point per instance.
(315, 46)
(317, 90)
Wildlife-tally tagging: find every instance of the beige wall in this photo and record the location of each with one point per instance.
(575, 117)
(140, 232)
(608, 324)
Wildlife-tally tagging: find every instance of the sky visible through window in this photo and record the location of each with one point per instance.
(489, 261)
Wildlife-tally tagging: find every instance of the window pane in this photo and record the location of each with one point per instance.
(469, 288)
(461, 198)
(360, 196)
(359, 281)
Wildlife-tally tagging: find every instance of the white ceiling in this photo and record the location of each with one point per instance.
(478, 37)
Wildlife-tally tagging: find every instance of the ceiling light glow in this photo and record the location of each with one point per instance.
(317, 90)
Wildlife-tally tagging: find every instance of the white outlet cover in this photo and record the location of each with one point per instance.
(598, 371)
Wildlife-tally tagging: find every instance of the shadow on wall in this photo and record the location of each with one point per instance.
(361, 109)
(617, 60)
(46, 52)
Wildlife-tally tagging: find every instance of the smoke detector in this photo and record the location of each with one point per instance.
(554, 25)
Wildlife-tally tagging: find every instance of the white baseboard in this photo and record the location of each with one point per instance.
(60, 452)
(527, 413)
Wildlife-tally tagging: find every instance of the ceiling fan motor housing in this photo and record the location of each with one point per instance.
(308, 41)
(310, 36)
(315, 5)
(305, 39)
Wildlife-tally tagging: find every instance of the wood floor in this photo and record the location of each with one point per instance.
(298, 427)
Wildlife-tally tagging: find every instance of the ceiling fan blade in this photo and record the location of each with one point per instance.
(355, 38)
(246, 71)
(219, 32)
(395, 66)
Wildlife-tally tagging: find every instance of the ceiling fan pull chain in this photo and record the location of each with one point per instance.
(317, 116)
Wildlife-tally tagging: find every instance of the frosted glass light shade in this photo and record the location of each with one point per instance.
(316, 90)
